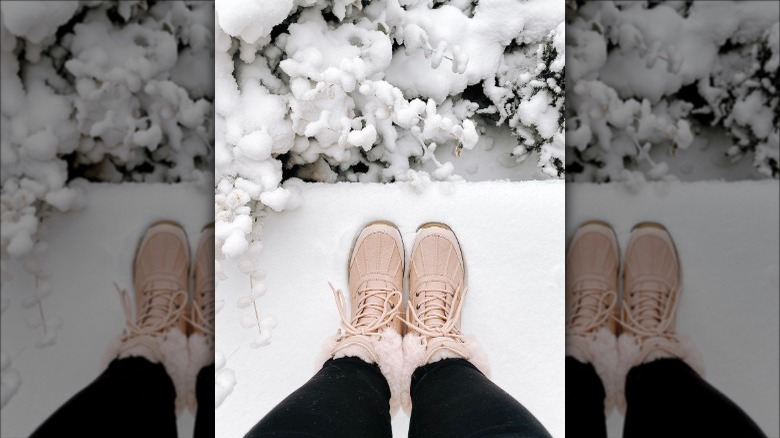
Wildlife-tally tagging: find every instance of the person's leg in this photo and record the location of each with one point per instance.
(135, 396)
(667, 397)
(204, 391)
(348, 397)
(664, 395)
(132, 398)
(592, 265)
(451, 398)
(584, 400)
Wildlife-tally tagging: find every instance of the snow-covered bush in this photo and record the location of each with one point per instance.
(532, 102)
(104, 91)
(746, 102)
(373, 91)
(646, 75)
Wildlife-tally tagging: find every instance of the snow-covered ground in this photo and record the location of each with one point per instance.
(727, 237)
(88, 251)
(512, 236)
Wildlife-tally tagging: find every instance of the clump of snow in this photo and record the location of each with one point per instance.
(35, 21)
(264, 338)
(650, 76)
(224, 379)
(251, 20)
(10, 379)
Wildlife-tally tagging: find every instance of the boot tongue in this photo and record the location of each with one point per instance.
(436, 317)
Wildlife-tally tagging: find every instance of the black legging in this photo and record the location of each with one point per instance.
(131, 398)
(350, 398)
(663, 398)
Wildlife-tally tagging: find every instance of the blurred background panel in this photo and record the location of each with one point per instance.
(107, 126)
(672, 116)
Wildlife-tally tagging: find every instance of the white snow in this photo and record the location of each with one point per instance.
(728, 239)
(276, 199)
(364, 138)
(36, 20)
(251, 19)
(512, 238)
(224, 379)
(536, 111)
(87, 251)
(481, 38)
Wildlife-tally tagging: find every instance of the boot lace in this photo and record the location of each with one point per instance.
(361, 324)
(160, 309)
(202, 317)
(436, 319)
(594, 305)
(652, 313)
